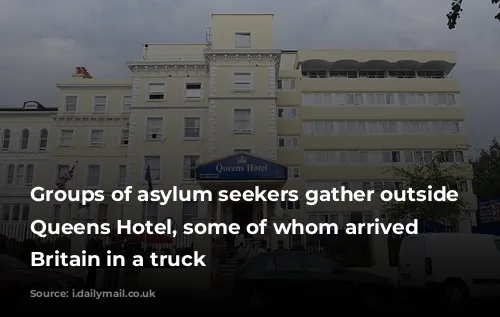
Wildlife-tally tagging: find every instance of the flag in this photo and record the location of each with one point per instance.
(62, 180)
(148, 179)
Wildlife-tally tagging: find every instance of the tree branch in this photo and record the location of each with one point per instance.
(456, 10)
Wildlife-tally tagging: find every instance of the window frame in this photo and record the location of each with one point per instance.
(147, 133)
(243, 131)
(89, 176)
(188, 98)
(184, 168)
(242, 34)
(61, 131)
(184, 128)
(91, 143)
(149, 93)
(243, 85)
(65, 103)
(94, 104)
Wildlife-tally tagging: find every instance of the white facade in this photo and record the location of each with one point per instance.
(332, 117)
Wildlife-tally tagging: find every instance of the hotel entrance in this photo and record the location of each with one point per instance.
(243, 215)
(240, 172)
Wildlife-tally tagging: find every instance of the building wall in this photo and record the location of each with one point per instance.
(15, 193)
(213, 65)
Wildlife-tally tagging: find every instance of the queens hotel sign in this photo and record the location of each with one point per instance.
(241, 167)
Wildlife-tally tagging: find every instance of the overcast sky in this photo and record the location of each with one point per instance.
(42, 41)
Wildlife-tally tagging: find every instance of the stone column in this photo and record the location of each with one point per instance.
(264, 210)
(380, 249)
(203, 209)
(465, 225)
(202, 243)
(219, 212)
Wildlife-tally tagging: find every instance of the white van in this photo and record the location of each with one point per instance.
(462, 265)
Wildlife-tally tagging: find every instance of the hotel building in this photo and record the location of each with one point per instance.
(311, 119)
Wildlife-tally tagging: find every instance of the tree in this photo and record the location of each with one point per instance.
(486, 183)
(419, 177)
(456, 10)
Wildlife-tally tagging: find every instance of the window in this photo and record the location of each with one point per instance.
(20, 175)
(42, 144)
(124, 137)
(122, 175)
(11, 170)
(450, 99)
(193, 90)
(242, 39)
(378, 157)
(61, 171)
(66, 137)
(288, 263)
(15, 212)
(70, 103)
(56, 214)
(242, 151)
(288, 142)
(192, 127)
(189, 211)
(154, 166)
(189, 167)
(463, 186)
(30, 171)
(96, 137)
(287, 113)
(93, 173)
(242, 120)
(127, 103)
(156, 91)
(154, 128)
(5, 139)
(325, 218)
(25, 137)
(242, 80)
(319, 264)
(290, 205)
(293, 172)
(100, 104)
(5, 213)
(102, 213)
(150, 212)
(287, 84)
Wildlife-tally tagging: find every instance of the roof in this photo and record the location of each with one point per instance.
(29, 106)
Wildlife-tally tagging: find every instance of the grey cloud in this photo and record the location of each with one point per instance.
(42, 41)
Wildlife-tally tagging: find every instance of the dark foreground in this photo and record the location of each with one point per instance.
(220, 303)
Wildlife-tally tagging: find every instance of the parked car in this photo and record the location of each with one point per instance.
(18, 280)
(293, 278)
(455, 266)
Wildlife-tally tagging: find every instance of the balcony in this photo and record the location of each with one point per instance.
(333, 84)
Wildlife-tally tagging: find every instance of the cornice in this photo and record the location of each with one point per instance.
(91, 120)
(167, 66)
(212, 55)
(93, 86)
(197, 67)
